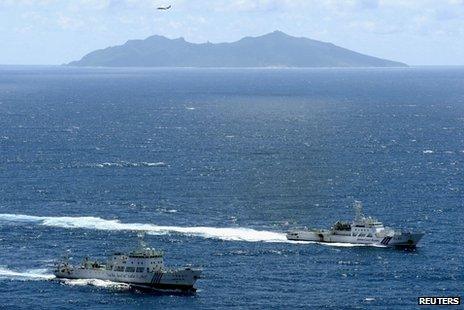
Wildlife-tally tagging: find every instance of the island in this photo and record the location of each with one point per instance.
(275, 49)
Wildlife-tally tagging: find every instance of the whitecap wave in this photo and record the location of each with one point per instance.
(124, 164)
(157, 164)
(369, 299)
(121, 164)
(164, 210)
(30, 274)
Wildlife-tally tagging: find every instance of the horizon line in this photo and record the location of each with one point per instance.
(185, 67)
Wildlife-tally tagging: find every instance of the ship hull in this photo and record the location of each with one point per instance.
(325, 236)
(182, 280)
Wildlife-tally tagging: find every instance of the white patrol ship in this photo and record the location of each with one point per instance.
(142, 268)
(363, 230)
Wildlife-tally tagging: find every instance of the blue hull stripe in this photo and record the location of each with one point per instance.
(156, 279)
(386, 240)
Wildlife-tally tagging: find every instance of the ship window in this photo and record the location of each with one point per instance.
(130, 269)
(119, 268)
(139, 269)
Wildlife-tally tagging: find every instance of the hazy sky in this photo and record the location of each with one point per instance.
(418, 32)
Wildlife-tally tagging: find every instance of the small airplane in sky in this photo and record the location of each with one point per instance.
(164, 7)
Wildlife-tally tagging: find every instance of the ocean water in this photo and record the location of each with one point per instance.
(216, 165)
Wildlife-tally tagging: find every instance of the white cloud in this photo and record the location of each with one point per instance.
(27, 2)
(69, 23)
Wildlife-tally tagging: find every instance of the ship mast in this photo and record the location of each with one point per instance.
(358, 209)
(142, 243)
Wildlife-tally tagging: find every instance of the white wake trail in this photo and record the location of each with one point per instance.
(30, 274)
(44, 274)
(89, 222)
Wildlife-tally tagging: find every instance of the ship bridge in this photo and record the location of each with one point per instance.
(137, 260)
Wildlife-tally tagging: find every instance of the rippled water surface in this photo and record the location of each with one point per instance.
(216, 165)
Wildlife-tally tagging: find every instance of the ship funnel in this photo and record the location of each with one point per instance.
(358, 209)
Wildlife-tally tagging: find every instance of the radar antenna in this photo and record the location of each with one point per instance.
(358, 209)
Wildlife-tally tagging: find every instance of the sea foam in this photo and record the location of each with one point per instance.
(96, 283)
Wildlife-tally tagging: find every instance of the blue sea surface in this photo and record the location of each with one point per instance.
(216, 165)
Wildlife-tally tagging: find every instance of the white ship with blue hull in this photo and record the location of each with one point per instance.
(362, 230)
(142, 268)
